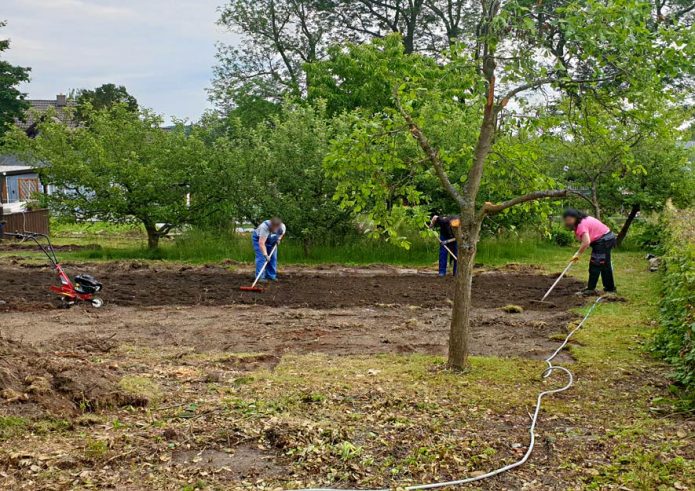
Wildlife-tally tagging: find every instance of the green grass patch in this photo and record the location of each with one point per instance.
(11, 426)
(143, 387)
(128, 242)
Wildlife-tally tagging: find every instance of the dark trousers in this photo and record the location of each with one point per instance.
(445, 258)
(600, 263)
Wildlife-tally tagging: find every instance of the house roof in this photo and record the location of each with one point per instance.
(11, 165)
(12, 170)
(41, 106)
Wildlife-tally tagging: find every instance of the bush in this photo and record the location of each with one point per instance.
(562, 237)
(675, 340)
(650, 236)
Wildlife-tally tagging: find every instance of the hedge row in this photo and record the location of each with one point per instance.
(675, 340)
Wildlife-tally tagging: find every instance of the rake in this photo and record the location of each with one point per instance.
(552, 287)
(254, 288)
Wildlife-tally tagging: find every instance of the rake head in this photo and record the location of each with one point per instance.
(251, 289)
(545, 303)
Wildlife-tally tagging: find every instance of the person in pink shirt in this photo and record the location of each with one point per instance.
(593, 233)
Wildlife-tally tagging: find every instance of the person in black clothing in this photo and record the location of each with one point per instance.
(448, 249)
(591, 232)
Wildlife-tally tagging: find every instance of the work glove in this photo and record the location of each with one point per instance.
(267, 257)
(575, 258)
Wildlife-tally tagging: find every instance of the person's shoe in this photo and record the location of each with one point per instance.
(272, 279)
(610, 293)
(587, 293)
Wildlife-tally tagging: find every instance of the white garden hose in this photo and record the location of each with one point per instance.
(534, 419)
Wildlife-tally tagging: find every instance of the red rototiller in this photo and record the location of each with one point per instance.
(84, 287)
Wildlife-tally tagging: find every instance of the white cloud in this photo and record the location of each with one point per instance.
(161, 50)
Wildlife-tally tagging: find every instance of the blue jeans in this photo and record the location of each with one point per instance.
(271, 271)
(445, 258)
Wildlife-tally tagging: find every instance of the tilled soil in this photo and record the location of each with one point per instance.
(273, 330)
(338, 312)
(26, 289)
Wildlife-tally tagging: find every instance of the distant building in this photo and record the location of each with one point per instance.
(19, 181)
(39, 107)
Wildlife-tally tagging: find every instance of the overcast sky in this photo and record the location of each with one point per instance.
(161, 50)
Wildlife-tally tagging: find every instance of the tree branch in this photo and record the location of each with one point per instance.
(492, 209)
(540, 82)
(431, 152)
(582, 196)
(522, 88)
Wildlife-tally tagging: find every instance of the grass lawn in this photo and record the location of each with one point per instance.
(99, 242)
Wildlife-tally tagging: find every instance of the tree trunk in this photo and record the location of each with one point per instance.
(152, 236)
(595, 203)
(463, 294)
(469, 232)
(626, 226)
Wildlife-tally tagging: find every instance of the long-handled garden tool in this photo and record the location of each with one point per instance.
(444, 243)
(552, 287)
(455, 222)
(254, 288)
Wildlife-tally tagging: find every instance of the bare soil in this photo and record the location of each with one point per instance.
(200, 310)
(25, 288)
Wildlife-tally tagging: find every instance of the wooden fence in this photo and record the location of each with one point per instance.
(28, 221)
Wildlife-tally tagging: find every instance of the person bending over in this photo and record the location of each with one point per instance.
(448, 249)
(268, 235)
(591, 232)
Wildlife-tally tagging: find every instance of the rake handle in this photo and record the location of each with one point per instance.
(267, 260)
(445, 246)
(567, 268)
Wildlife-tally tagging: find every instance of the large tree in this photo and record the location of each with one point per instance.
(103, 97)
(12, 103)
(281, 38)
(276, 168)
(122, 166)
(517, 48)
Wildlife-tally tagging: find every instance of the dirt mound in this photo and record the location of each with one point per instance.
(138, 284)
(34, 383)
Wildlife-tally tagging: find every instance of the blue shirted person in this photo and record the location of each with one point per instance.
(265, 238)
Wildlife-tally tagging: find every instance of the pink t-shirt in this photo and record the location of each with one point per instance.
(595, 228)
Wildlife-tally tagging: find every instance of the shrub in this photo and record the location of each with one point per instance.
(650, 236)
(561, 236)
(675, 340)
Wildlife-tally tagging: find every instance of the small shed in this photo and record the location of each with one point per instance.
(18, 181)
